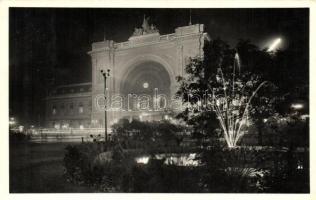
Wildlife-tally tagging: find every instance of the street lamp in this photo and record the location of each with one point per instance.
(105, 75)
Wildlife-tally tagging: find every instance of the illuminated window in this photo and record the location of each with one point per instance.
(57, 126)
(54, 111)
(80, 109)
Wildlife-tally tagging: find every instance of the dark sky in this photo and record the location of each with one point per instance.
(48, 46)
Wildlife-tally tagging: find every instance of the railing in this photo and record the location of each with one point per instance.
(67, 135)
(75, 134)
(167, 37)
(52, 131)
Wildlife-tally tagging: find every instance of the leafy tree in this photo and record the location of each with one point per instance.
(218, 83)
(284, 69)
(148, 135)
(260, 62)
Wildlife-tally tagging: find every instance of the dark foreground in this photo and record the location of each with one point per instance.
(38, 168)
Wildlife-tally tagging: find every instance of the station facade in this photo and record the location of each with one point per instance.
(143, 70)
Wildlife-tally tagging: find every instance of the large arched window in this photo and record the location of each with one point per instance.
(142, 82)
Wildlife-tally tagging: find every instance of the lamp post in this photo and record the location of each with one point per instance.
(105, 75)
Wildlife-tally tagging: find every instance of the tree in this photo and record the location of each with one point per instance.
(260, 62)
(218, 84)
(151, 136)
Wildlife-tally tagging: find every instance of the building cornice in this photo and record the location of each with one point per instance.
(74, 84)
(68, 96)
(138, 45)
(142, 40)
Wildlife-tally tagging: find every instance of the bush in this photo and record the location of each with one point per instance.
(108, 176)
(289, 173)
(18, 137)
(231, 170)
(123, 174)
(78, 162)
(243, 169)
(158, 177)
(147, 135)
(249, 169)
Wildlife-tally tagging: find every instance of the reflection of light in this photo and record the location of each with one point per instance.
(142, 160)
(275, 43)
(142, 115)
(166, 117)
(182, 160)
(157, 99)
(300, 165)
(57, 126)
(145, 85)
(64, 126)
(115, 121)
(175, 159)
(297, 106)
(265, 120)
(12, 121)
(304, 117)
(21, 128)
(283, 119)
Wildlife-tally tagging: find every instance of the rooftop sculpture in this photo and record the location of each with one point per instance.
(145, 29)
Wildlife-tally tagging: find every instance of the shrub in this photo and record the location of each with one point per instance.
(123, 174)
(78, 162)
(233, 170)
(243, 169)
(289, 173)
(18, 137)
(157, 177)
(147, 135)
(111, 176)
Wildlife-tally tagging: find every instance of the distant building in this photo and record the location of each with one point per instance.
(146, 64)
(69, 106)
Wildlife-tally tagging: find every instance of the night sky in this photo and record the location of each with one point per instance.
(49, 46)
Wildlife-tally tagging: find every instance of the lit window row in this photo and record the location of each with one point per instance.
(70, 108)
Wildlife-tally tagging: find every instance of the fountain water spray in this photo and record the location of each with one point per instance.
(232, 111)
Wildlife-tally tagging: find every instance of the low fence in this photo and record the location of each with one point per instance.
(72, 135)
(67, 135)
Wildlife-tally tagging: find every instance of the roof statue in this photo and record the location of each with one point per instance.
(145, 24)
(145, 29)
